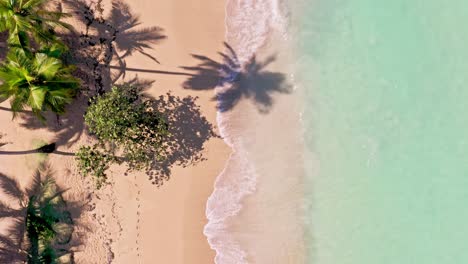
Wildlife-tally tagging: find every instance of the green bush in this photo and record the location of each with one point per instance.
(126, 125)
(92, 161)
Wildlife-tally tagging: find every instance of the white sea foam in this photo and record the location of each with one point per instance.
(248, 25)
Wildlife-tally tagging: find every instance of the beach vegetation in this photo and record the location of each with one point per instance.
(38, 80)
(33, 73)
(42, 224)
(23, 19)
(129, 129)
(92, 160)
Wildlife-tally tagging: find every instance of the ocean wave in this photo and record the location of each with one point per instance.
(248, 26)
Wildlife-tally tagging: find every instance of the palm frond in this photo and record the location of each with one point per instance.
(46, 66)
(35, 185)
(36, 97)
(41, 81)
(7, 212)
(10, 187)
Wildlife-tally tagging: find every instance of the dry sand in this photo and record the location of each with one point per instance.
(132, 220)
(171, 218)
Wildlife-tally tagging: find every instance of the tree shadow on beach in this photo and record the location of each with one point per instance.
(108, 39)
(189, 131)
(67, 128)
(13, 241)
(251, 81)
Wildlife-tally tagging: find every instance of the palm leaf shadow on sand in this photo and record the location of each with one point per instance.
(13, 240)
(113, 38)
(129, 39)
(251, 81)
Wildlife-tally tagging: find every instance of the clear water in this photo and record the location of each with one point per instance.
(386, 130)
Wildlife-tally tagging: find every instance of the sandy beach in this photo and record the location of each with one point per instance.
(172, 217)
(133, 220)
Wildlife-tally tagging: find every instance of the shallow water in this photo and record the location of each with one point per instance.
(359, 155)
(386, 124)
(264, 173)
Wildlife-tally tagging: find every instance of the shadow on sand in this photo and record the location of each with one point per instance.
(250, 81)
(189, 130)
(13, 241)
(108, 39)
(104, 40)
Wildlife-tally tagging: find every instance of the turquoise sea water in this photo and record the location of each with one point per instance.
(386, 119)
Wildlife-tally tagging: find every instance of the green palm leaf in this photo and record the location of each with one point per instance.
(36, 97)
(39, 81)
(29, 16)
(47, 66)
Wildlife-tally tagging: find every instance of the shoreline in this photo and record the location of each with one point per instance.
(266, 103)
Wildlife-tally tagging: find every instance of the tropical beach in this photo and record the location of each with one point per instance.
(132, 219)
(233, 132)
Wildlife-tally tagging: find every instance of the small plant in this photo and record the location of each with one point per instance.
(92, 161)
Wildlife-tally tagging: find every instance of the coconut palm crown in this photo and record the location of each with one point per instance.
(37, 80)
(23, 17)
(41, 223)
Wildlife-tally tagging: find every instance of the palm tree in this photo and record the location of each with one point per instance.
(41, 223)
(23, 17)
(46, 223)
(38, 80)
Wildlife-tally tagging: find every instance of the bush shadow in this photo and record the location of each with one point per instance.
(189, 131)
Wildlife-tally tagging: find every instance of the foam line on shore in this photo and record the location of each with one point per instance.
(248, 25)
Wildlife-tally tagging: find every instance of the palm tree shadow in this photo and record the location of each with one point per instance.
(13, 241)
(108, 39)
(67, 128)
(128, 38)
(250, 81)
